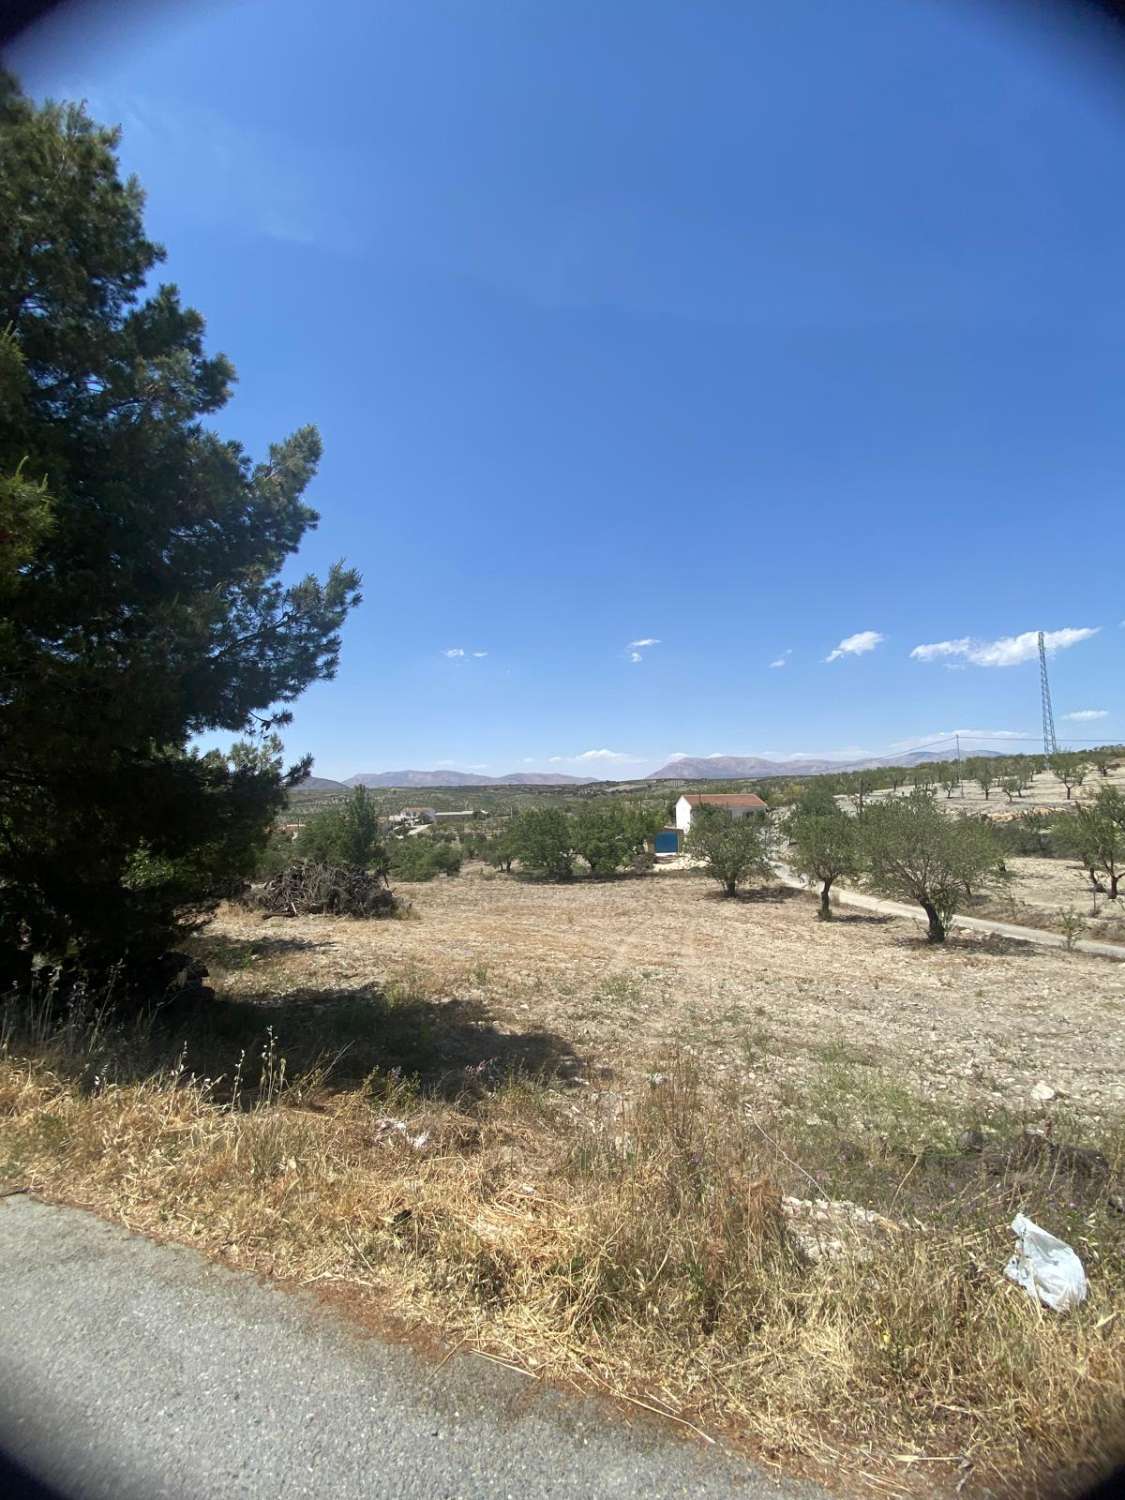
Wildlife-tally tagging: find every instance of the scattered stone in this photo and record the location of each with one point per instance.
(971, 1141)
(1117, 1202)
(825, 1228)
(1043, 1093)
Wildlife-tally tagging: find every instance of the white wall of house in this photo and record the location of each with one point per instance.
(684, 812)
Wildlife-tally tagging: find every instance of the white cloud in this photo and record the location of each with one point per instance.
(1009, 650)
(1084, 714)
(588, 756)
(637, 648)
(454, 651)
(480, 653)
(856, 645)
(915, 742)
(783, 659)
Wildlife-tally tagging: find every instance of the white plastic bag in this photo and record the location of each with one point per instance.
(1046, 1267)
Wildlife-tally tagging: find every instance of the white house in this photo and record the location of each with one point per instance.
(737, 804)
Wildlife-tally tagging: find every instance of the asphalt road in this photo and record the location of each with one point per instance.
(130, 1369)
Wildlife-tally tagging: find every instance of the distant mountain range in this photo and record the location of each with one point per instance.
(754, 768)
(462, 778)
(693, 768)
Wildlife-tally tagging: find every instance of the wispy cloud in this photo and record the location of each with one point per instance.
(916, 741)
(480, 653)
(856, 645)
(636, 649)
(1009, 650)
(783, 659)
(588, 756)
(453, 652)
(1083, 715)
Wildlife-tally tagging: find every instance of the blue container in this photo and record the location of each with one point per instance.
(668, 841)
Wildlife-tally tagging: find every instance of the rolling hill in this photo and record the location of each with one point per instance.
(753, 767)
(462, 778)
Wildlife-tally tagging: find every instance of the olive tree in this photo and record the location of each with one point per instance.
(984, 774)
(915, 852)
(824, 846)
(543, 840)
(733, 849)
(609, 835)
(1070, 769)
(1099, 837)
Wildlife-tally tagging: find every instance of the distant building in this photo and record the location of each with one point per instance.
(413, 815)
(737, 804)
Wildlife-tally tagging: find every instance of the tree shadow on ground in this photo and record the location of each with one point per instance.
(960, 941)
(450, 1047)
(219, 951)
(759, 895)
(860, 918)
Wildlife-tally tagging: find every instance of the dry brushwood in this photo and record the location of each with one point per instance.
(309, 889)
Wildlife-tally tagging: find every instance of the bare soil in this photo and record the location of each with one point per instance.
(761, 992)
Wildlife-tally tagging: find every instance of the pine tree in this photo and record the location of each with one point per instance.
(140, 556)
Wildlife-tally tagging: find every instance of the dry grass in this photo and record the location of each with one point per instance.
(634, 1245)
(617, 971)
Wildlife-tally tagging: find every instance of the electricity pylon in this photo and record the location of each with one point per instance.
(1050, 743)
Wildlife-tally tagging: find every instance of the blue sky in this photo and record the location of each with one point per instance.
(787, 339)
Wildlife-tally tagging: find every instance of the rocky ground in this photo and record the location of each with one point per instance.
(622, 971)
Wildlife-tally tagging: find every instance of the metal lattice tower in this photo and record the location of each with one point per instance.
(1050, 743)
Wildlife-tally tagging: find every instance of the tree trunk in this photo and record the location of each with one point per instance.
(825, 907)
(1113, 879)
(936, 933)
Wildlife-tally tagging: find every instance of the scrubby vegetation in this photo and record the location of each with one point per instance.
(688, 1253)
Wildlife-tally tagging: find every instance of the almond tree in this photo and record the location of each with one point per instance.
(1070, 769)
(733, 849)
(915, 852)
(825, 846)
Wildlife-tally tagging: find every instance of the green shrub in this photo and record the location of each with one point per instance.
(422, 858)
(346, 833)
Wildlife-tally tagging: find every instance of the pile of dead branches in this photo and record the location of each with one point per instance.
(307, 888)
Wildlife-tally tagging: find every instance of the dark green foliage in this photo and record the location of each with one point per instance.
(734, 849)
(347, 833)
(543, 839)
(422, 858)
(609, 836)
(825, 846)
(140, 559)
(816, 800)
(915, 852)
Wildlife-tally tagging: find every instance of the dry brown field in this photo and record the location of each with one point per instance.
(623, 970)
